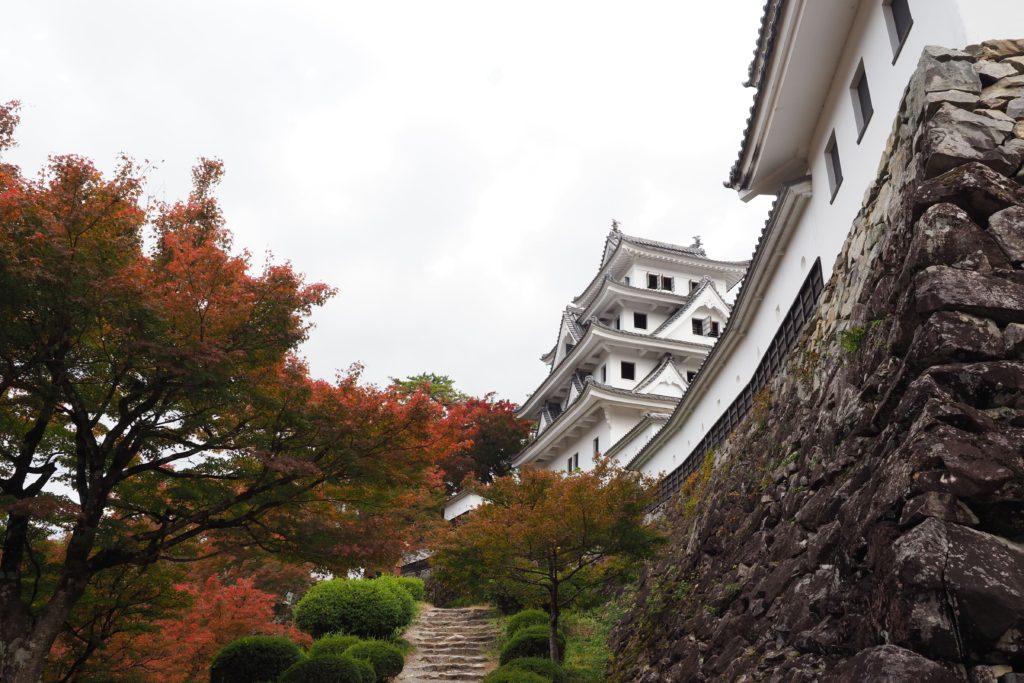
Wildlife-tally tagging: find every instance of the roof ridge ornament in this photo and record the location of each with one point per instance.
(615, 226)
(698, 246)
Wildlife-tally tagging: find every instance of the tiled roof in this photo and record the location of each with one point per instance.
(665, 360)
(756, 73)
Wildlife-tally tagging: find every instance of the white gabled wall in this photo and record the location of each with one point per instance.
(825, 223)
(461, 504)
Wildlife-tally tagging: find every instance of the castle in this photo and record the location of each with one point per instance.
(828, 76)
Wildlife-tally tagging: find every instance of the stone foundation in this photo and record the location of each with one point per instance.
(866, 521)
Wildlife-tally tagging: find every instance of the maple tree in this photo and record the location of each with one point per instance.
(150, 398)
(492, 433)
(561, 535)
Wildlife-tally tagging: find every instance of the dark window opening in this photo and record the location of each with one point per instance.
(628, 370)
(898, 21)
(694, 285)
(667, 283)
(640, 321)
(714, 329)
(604, 374)
(698, 326)
(618, 323)
(833, 166)
(652, 281)
(690, 375)
(568, 465)
(569, 348)
(862, 108)
(626, 280)
(597, 446)
(575, 461)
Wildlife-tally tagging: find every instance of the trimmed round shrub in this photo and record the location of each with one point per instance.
(528, 617)
(541, 666)
(416, 588)
(359, 607)
(531, 641)
(323, 670)
(366, 671)
(386, 658)
(256, 658)
(506, 675)
(394, 584)
(332, 645)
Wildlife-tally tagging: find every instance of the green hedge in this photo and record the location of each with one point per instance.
(332, 645)
(505, 675)
(531, 641)
(323, 670)
(366, 671)
(256, 658)
(541, 666)
(417, 589)
(401, 593)
(359, 607)
(386, 658)
(528, 617)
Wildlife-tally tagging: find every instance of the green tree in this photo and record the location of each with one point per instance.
(441, 388)
(556, 534)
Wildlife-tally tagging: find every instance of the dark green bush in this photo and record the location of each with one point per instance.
(529, 617)
(394, 584)
(323, 670)
(416, 587)
(332, 645)
(541, 666)
(256, 658)
(506, 675)
(531, 641)
(359, 607)
(386, 658)
(366, 671)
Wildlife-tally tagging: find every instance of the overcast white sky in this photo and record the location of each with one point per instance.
(451, 167)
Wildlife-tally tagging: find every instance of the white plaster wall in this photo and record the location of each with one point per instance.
(584, 445)
(633, 446)
(639, 269)
(464, 504)
(825, 224)
(613, 359)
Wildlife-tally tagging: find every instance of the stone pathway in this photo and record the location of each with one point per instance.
(451, 645)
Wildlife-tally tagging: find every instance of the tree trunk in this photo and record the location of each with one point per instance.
(23, 654)
(556, 652)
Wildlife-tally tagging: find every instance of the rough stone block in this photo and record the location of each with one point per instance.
(1015, 62)
(1013, 339)
(933, 101)
(891, 663)
(941, 288)
(951, 75)
(1009, 87)
(952, 336)
(945, 54)
(1007, 227)
(974, 187)
(945, 235)
(1000, 49)
(1015, 108)
(939, 505)
(990, 72)
(956, 136)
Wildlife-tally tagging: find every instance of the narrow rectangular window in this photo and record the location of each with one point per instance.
(575, 461)
(690, 375)
(628, 370)
(693, 285)
(618, 323)
(626, 280)
(640, 321)
(832, 165)
(667, 283)
(714, 329)
(604, 374)
(862, 109)
(698, 326)
(569, 348)
(568, 466)
(898, 21)
(652, 281)
(597, 445)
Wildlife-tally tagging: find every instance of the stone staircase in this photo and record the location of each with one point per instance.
(451, 645)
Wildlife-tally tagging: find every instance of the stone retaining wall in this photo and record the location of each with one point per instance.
(866, 521)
